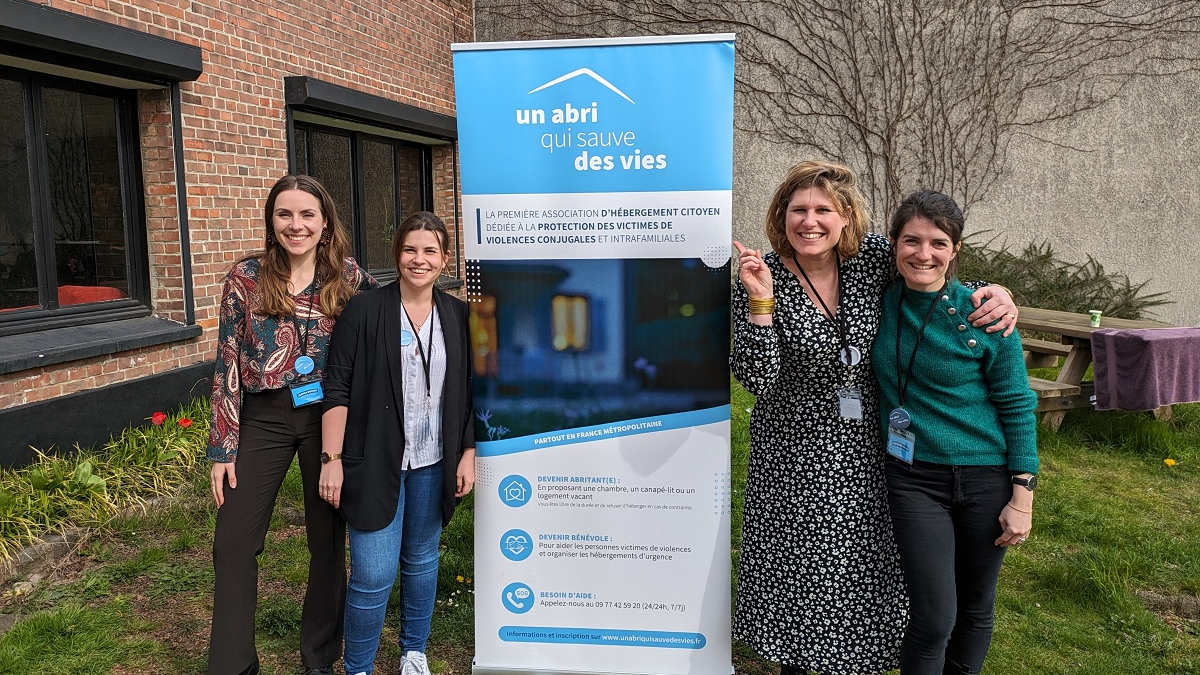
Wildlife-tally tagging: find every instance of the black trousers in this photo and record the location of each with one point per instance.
(946, 520)
(272, 432)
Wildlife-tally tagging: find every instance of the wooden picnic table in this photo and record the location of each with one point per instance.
(1068, 390)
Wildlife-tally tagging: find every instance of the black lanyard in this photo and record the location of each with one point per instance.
(904, 378)
(835, 317)
(312, 294)
(425, 359)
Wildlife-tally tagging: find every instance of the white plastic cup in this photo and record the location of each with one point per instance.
(1095, 317)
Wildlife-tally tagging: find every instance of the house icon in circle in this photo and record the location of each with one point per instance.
(515, 490)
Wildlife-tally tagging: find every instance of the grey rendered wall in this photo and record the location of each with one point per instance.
(1132, 201)
(1121, 184)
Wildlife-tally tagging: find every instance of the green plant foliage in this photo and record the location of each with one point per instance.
(89, 488)
(69, 640)
(1039, 278)
(277, 617)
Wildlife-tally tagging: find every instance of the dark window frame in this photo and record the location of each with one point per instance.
(55, 36)
(327, 101)
(355, 217)
(50, 39)
(50, 315)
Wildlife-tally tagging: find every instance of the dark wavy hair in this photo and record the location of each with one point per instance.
(840, 184)
(274, 268)
(940, 209)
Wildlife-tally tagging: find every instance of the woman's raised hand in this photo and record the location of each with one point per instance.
(754, 273)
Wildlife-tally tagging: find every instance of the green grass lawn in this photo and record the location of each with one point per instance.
(1107, 583)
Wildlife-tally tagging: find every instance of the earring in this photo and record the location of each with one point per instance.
(326, 237)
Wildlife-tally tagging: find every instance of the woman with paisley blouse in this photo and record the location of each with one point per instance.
(277, 312)
(819, 586)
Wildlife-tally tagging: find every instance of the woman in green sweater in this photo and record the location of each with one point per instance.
(961, 441)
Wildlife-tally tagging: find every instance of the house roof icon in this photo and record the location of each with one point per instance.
(585, 72)
(514, 492)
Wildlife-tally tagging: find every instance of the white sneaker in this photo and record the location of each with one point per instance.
(414, 663)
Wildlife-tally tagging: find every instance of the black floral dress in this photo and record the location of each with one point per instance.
(819, 584)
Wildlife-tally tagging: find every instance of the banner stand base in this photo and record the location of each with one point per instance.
(477, 669)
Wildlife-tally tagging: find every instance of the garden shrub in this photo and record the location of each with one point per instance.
(1038, 278)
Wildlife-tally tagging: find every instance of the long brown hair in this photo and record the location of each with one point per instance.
(840, 184)
(274, 269)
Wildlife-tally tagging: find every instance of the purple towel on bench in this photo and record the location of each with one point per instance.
(1145, 369)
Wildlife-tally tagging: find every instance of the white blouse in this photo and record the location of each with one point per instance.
(422, 402)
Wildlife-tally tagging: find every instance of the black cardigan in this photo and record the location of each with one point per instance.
(363, 373)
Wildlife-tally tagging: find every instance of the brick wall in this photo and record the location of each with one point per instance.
(235, 142)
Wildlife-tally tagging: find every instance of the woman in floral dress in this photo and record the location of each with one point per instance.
(819, 585)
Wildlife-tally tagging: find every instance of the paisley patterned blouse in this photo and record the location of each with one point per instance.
(257, 353)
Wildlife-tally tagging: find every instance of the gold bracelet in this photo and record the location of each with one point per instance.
(762, 305)
(1010, 505)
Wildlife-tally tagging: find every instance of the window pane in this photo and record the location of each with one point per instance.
(330, 164)
(379, 186)
(301, 150)
(86, 212)
(412, 193)
(18, 262)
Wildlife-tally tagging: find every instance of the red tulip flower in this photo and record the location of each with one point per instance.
(185, 422)
(158, 418)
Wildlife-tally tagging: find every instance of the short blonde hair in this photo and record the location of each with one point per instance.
(840, 184)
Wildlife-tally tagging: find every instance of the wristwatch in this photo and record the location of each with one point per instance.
(327, 458)
(1027, 483)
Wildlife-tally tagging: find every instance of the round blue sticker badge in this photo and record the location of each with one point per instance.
(406, 338)
(304, 365)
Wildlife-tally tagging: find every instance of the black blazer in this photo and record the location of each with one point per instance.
(363, 373)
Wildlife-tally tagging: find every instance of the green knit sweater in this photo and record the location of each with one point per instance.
(968, 394)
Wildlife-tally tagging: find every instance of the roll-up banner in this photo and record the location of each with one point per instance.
(597, 182)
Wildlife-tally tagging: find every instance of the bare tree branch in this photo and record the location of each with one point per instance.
(912, 93)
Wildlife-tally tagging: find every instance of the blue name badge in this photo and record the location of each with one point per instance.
(307, 394)
(901, 444)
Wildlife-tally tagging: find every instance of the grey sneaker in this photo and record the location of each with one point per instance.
(414, 663)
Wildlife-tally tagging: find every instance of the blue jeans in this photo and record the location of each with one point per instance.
(947, 519)
(410, 541)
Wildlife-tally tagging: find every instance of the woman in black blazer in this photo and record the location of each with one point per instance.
(398, 440)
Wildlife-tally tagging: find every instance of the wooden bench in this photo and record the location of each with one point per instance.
(1055, 395)
(1043, 353)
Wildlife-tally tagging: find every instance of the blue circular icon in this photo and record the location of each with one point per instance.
(304, 365)
(515, 490)
(516, 545)
(517, 598)
(899, 418)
